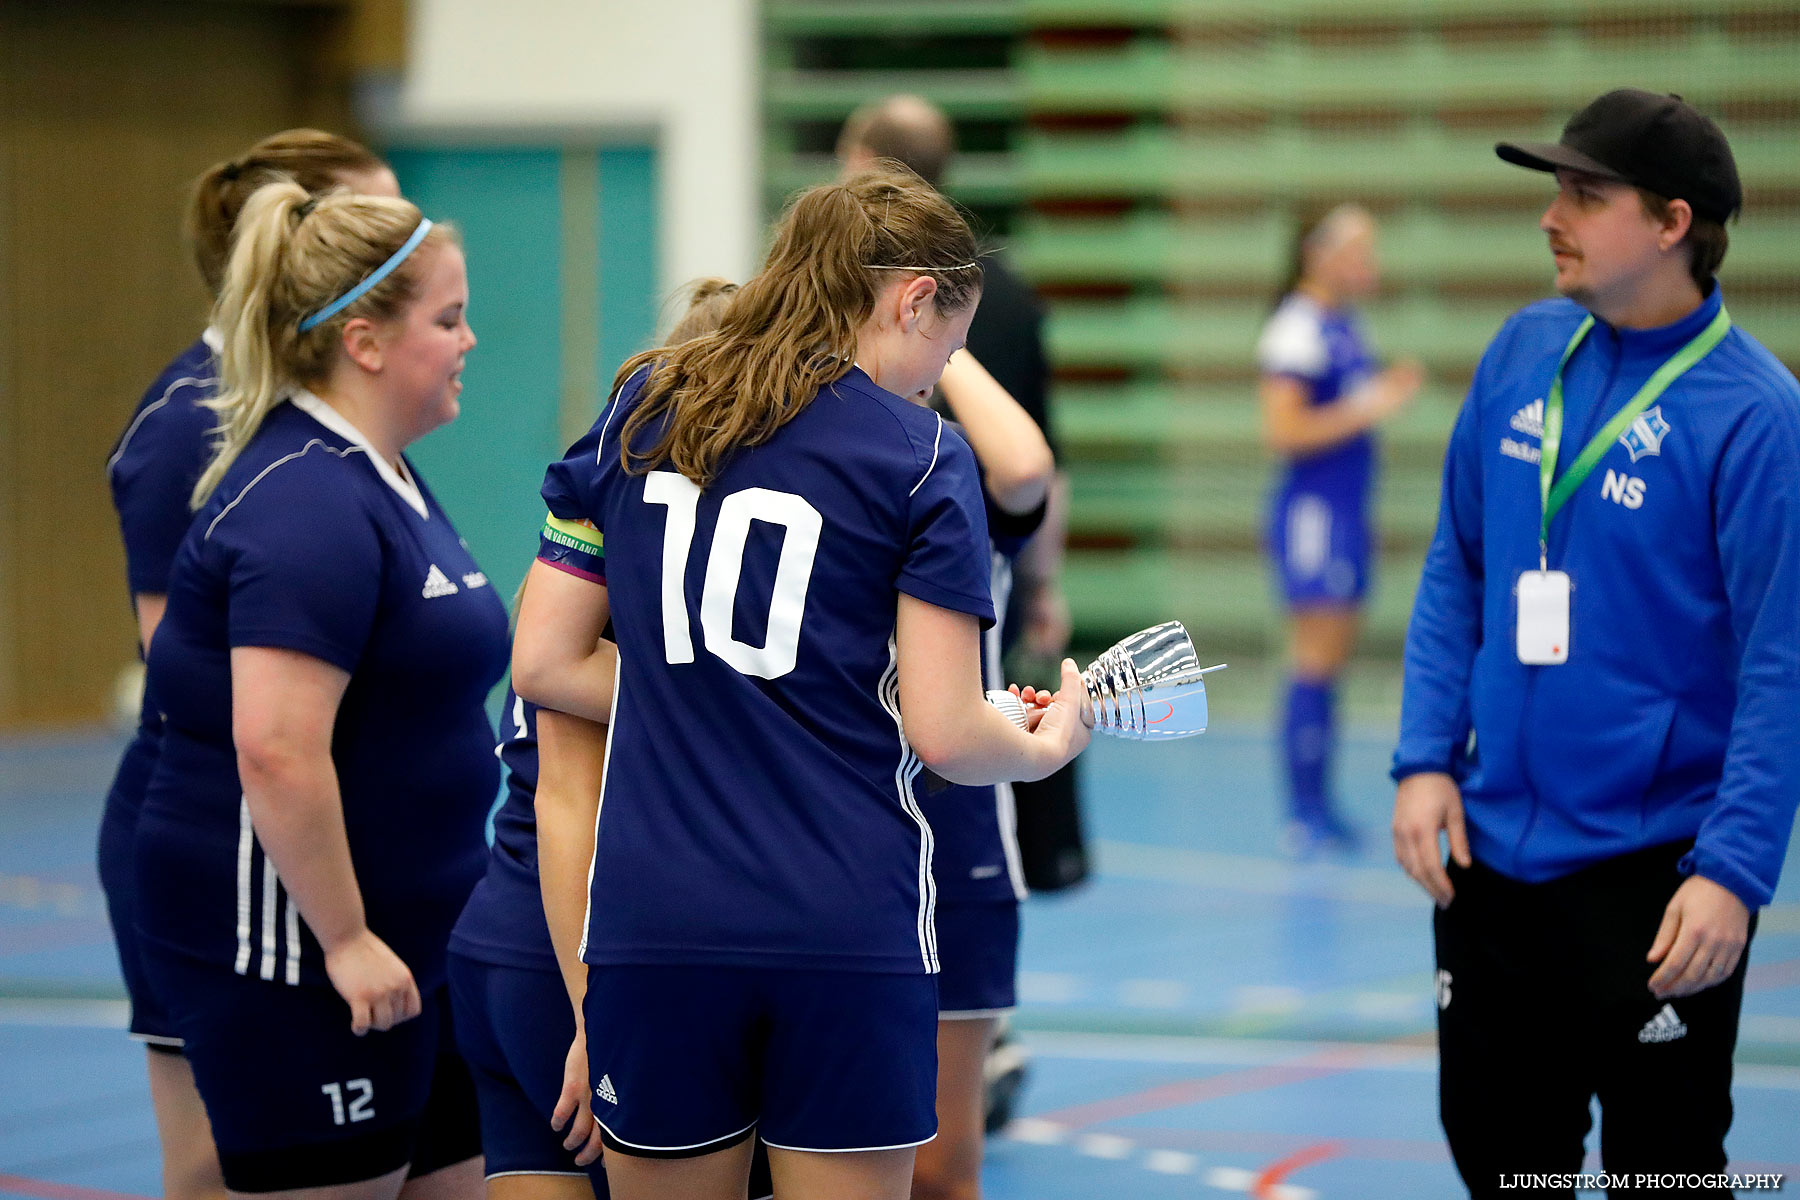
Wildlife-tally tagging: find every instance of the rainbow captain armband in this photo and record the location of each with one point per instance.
(575, 546)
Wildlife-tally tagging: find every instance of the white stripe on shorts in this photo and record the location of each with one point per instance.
(246, 839)
(1308, 535)
(291, 932)
(268, 918)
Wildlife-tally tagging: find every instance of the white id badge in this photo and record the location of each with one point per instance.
(1543, 618)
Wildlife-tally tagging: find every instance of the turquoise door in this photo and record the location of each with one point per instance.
(561, 247)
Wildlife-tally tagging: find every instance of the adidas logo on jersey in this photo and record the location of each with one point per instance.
(475, 579)
(437, 584)
(1665, 1026)
(604, 1090)
(1530, 420)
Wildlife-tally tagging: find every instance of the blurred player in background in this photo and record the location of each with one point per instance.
(513, 1020)
(314, 821)
(794, 555)
(1322, 396)
(152, 470)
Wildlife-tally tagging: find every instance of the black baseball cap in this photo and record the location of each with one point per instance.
(1659, 143)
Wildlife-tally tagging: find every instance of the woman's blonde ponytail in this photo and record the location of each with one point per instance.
(292, 255)
(251, 383)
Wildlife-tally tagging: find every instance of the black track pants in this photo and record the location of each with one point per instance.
(1543, 1004)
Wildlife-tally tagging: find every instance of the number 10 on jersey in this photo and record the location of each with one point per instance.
(800, 524)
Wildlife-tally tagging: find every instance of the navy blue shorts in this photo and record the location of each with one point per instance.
(978, 958)
(1322, 547)
(117, 859)
(688, 1060)
(296, 1100)
(514, 1026)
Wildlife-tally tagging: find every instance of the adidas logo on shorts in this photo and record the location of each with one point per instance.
(604, 1090)
(437, 584)
(1665, 1026)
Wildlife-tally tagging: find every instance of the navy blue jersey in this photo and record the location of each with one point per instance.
(503, 922)
(1324, 349)
(313, 543)
(157, 461)
(152, 471)
(976, 857)
(758, 802)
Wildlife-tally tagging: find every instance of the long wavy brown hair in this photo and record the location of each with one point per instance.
(792, 329)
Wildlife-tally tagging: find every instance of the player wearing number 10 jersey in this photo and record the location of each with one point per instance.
(760, 938)
(794, 554)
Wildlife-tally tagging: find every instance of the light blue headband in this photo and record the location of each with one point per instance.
(376, 276)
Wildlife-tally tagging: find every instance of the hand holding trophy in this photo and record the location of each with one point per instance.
(1148, 687)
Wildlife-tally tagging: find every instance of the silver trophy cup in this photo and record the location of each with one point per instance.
(1147, 688)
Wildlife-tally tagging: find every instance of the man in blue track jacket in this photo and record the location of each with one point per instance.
(1602, 697)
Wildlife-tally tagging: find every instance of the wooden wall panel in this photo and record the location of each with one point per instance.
(107, 110)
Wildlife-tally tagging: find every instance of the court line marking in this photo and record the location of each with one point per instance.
(1268, 1185)
(1266, 875)
(1405, 1058)
(43, 1189)
(1237, 1179)
(1193, 1091)
(79, 1013)
(1257, 874)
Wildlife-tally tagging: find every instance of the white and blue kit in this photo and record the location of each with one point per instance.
(758, 838)
(1319, 527)
(1665, 746)
(152, 471)
(313, 543)
(1321, 537)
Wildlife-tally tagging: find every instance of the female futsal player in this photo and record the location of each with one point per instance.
(1321, 399)
(513, 1020)
(152, 471)
(314, 821)
(794, 558)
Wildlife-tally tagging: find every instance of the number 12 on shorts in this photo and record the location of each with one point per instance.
(800, 525)
(361, 1094)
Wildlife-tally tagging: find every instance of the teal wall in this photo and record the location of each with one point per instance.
(508, 203)
(629, 299)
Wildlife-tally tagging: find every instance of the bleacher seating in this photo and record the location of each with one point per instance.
(1150, 158)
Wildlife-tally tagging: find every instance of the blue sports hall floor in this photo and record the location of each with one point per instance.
(1205, 1017)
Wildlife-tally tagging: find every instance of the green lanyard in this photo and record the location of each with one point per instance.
(1554, 497)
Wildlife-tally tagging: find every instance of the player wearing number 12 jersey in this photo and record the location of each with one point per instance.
(313, 822)
(797, 575)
